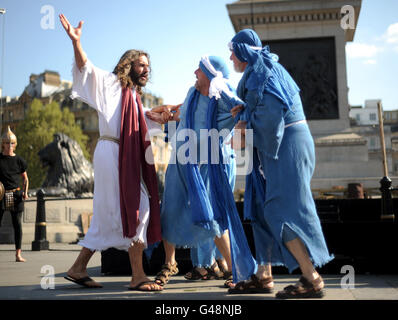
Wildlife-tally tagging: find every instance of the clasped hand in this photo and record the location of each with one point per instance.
(235, 110)
(165, 113)
(238, 140)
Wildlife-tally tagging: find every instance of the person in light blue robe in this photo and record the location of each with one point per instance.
(278, 199)
(207, 261)
(198, 203)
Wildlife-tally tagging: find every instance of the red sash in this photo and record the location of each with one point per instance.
(132, 149)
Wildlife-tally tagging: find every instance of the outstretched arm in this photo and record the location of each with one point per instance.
(74, 34)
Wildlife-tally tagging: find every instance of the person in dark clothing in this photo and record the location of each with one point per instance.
(12, 168)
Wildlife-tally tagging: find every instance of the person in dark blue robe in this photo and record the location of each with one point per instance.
(278, 199)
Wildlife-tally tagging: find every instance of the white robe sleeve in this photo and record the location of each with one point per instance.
(100, 89)
(154, 128)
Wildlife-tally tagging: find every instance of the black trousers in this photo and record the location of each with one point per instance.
(16, 217)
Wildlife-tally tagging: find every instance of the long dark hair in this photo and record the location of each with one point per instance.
(124, 69)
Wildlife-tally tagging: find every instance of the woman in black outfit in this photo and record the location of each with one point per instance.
(12, 167)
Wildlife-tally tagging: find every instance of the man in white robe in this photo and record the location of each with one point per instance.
(102, 91)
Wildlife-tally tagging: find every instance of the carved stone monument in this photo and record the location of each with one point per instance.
(310, 42)
(69, 172)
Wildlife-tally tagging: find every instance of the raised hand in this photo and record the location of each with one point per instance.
(73, 33)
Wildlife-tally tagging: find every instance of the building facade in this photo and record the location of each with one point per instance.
(367, 115)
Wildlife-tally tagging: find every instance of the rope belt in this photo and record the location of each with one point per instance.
(109, 138)
(293, 123)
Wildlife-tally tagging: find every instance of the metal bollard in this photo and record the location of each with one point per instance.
(40, 242)
(387, 211)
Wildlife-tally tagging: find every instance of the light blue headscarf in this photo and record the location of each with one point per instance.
(220, 206)
(217, 72)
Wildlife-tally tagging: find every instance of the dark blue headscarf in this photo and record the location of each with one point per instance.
(268, 74)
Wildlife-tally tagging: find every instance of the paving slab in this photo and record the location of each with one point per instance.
(42, 277)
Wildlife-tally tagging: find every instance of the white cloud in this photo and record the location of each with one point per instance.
(391, 35)
(362, 50)
(370, 61)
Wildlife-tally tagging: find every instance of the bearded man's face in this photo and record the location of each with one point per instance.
(140, 72)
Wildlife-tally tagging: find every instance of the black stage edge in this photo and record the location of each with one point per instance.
(203, 309)
(353, 229)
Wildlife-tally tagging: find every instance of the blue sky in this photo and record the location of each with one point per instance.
(176, 33)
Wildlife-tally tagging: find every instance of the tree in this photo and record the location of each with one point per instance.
(36, 131)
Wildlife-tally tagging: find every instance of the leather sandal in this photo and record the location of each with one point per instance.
(221, 266)
(194, 274)
(303, 289)
(254, 285)
(165, 273)
(228, 279)
(213, 273)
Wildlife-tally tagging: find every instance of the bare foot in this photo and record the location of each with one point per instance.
(19, 259)
(200, 273)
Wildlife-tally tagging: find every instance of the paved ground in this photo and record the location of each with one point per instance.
(25, 281)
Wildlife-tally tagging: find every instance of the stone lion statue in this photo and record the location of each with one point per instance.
(69, 172)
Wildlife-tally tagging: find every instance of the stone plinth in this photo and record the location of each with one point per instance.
(308, 37)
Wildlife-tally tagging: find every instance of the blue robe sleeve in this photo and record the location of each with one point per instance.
(267, 121)
(245, 115)
(224, 116)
